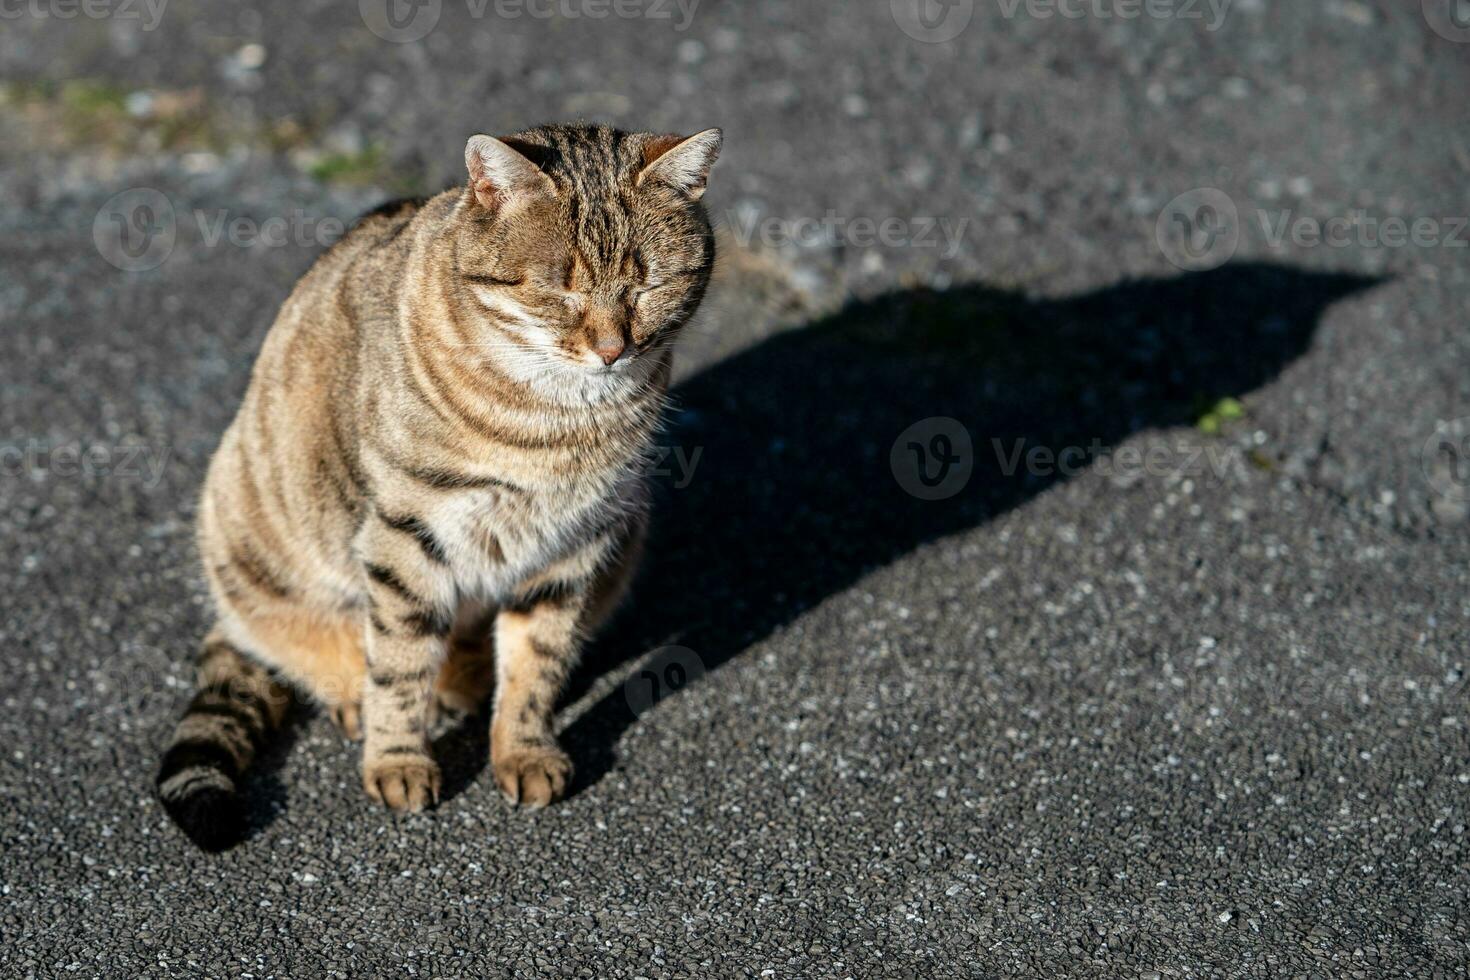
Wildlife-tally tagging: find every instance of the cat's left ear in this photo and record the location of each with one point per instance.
(682, 161)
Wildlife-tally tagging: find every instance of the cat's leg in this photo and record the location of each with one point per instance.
(536, 647)
(538, 640)
(323, 655)
(468, 676)
(410, 598)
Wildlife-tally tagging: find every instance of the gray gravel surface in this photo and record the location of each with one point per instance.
(1199, 715)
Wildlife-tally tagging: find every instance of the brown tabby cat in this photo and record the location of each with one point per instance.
(444, 438)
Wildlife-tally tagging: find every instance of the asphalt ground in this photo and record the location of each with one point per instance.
(1065, 546)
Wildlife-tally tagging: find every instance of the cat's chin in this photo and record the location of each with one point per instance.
(583, 383)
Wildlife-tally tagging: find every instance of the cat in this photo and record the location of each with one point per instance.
(434, 487)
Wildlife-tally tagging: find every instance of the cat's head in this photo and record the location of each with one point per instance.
(586, 247)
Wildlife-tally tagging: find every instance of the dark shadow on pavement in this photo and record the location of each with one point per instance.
(462, 749)
(799, 490)
(262, 791)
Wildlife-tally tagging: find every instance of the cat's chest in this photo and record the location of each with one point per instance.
(502, 538)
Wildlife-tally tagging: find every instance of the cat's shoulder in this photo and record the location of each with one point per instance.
(387, 222)
(397, 210)
(384, 222)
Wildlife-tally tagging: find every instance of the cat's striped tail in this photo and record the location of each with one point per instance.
(238, 705)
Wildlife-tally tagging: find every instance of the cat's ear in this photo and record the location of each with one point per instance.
(682, 161)
(499, 174)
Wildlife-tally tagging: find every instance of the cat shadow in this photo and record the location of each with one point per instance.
(263, 793)
(823, 453)
(460, 744)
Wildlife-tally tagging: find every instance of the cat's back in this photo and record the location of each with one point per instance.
(348, 296)
(362, 271)
(304, 400)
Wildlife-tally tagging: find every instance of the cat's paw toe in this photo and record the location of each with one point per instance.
(455, 704)
(403, 783)
(533, 776)
(348, 719)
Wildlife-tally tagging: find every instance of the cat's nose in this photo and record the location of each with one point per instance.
(609, 350)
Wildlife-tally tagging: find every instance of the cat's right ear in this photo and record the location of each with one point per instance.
(500, 174)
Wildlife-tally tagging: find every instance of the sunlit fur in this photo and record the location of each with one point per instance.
(433, 450)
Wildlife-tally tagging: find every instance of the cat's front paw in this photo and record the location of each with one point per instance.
(406, 783)
(532, 776)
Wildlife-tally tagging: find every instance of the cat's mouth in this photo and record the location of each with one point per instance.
(589, 364)
(622, 365)
(612, 362)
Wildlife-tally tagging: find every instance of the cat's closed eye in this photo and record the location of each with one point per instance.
(492, 281)
(640, 296)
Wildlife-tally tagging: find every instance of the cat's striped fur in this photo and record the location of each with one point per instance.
(433, 487)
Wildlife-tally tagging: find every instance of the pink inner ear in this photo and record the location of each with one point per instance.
(485, 192)
(658, 146)
(484, 189)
